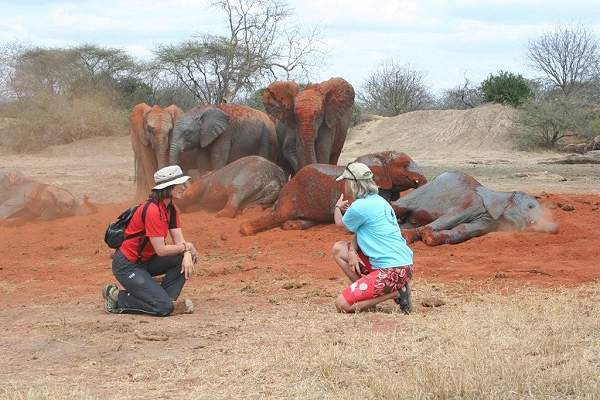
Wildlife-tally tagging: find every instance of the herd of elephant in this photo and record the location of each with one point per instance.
(286, 160)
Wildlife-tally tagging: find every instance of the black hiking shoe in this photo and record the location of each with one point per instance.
(404, 299)
(110, 306)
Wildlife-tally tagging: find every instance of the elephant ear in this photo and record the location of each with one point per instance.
(174, 111)
(339, 98)
(136, 122)
(278, 99)
(495, 203)
(213, 123)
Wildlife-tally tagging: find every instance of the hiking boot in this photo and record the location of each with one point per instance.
(404, 299)
(110, 306)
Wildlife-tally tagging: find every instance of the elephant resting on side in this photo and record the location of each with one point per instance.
(248, 180)
(454, 207)
(23, 199)
(309, 197)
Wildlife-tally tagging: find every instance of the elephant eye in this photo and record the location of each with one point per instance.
(531, 205)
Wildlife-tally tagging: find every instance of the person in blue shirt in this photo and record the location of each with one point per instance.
(377, 260)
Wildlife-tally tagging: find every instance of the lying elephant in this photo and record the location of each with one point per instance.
(309, 197)
(454, 207)
(22, 199)
(247, 180)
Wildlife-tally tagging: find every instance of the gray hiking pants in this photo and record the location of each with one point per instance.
(142, 294)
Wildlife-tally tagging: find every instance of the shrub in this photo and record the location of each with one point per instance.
(506, 88)
(543, 122)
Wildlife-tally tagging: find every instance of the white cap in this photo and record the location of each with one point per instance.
(169, 176)
(356, 171)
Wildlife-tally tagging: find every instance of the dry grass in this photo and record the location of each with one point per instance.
(533, 344)
(51, 120)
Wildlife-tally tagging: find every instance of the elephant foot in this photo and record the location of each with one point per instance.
(246, 229)
(297, 224)
(410, 235)
(430, 237)
(227, 212)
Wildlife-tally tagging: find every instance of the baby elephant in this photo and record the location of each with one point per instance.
(247, 180)
(22, 199)
(309, 197)
(454, 207)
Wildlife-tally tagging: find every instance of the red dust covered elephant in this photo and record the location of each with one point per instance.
(22, 199)
(309, 197)
(454, 207)
(248, 180)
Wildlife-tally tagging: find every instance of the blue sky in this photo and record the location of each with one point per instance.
(443, 39)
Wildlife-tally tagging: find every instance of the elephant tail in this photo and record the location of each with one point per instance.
(263, 223)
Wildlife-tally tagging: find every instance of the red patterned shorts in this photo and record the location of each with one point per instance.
(376, 282)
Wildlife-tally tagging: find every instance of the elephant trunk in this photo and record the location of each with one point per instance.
(174, 152)
(162, 154)
(306, 147)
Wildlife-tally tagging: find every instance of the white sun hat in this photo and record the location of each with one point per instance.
(356, 171)
(169, 176)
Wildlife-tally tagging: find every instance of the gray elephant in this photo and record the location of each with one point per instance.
(454, 207)
(248, 180)
(216, 135)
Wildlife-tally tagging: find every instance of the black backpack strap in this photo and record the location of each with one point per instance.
(144, 241)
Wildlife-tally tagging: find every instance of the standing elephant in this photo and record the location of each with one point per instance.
(248, 180)
(454, 207)
(149, 130)
(309, 197)
(318, 119)
(219, 134)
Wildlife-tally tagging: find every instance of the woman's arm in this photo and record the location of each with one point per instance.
(163, 249)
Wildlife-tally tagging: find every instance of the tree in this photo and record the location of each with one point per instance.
(506, 88)
(568, 56)
(544, 121)
(258, 46)
(461, 97)
(394, 89)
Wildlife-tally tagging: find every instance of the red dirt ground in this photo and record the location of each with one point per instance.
(50, 261)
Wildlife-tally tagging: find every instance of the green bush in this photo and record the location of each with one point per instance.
(506, 88)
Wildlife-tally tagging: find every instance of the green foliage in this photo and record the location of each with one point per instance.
(506, 88)
(357, 112)
(595, 126)
(543, 122)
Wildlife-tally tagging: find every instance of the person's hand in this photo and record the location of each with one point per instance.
(192, 249)
(187, 265)
(341, 203)
(354, 261)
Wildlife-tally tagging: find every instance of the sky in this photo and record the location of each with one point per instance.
(445, 40)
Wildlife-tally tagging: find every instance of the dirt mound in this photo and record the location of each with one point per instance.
(420, 133)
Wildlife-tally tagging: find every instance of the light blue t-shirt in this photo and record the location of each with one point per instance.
(377, 232)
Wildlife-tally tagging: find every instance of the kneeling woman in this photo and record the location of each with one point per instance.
(144, 253)
(377, 261)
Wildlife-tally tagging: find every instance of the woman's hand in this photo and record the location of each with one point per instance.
(192, 249)
(341, 203)
(187, 265)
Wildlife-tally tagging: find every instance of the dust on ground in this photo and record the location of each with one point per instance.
(264, 297)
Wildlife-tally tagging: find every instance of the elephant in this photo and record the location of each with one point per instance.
(309, 197)
(219, 134)
(23, 199)
(318, 119)
(455, 207)
(149, 130)
(247, 180)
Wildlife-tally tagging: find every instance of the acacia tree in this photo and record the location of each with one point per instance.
(568, 56)
(258, 45)
(394, 89)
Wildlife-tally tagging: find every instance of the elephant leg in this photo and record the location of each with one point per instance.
(448, 221)
(149, 165)
(458, 234)
(341, 130)
(232, 207)
(323, 144)
(298, 224)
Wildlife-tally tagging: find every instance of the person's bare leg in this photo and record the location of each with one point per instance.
(340, 256)
(342, 305)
